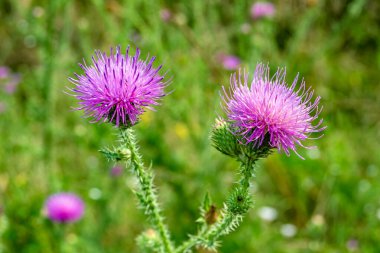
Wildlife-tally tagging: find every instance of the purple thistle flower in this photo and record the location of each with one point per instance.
(262, 9)
(269, 109)
(118, 87)
(165, 15)
(11, 85)
(230, 62)
(64, 207)
(4, 72)
(352, 244)
(116, 171)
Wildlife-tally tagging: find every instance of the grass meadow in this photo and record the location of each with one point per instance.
(329, 202)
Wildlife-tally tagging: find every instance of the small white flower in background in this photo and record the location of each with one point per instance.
(364, 185)
(318, 220)
(131, 182)
(95, 193)
(372, 170)
(288, 230)
(38, 11)
(378, 213)
(314, 154)
(267, 213)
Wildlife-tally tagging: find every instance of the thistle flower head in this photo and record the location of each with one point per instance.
(262, 9)
(4, 72)
(165, 15)
(8, 80)
(268, 110)
(117, 88)
(230, 62)
(64, 207)
(116, 171)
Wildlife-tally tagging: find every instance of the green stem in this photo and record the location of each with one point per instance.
(227, 224)
(235, 207)
(194, 240)
(147, 197)
(60, 235)
(247, 169)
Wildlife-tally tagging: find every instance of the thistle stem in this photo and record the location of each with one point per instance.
(234, 208)
(193, 241)
(147, 196)
(226, 225)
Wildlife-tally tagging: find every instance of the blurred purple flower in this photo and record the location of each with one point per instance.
(352, 244)
(11, 85)
(64, 207)
(116, 171)
(165, 15)
(118, 87)
(230, 62)
(8, 80)
(269, 109)
(262, 9)
(4, 72)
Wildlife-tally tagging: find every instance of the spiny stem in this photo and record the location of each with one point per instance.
(148, 197)
(227, 224)
(232, 213)
(247, 169)
(193, 241)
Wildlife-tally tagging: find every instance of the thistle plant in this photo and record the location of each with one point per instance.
(64, 207)
(262, 114)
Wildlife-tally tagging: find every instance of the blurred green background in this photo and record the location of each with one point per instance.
(328, 203)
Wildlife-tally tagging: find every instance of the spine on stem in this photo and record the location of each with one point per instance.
(239, 200)
(237, 204)
(147, 194)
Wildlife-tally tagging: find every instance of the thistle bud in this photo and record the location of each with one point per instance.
(239, 201)
(149, 241)
(124, 153)
(223, 139)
